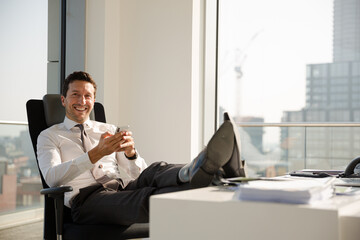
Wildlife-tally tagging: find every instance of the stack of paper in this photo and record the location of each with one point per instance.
(298, 190)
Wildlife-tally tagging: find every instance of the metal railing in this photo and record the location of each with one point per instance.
(297, 145)
(299, 124)
(13, 123)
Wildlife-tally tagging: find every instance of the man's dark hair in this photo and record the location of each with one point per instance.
(81, 76)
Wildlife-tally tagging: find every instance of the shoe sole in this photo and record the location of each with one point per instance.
(219, 152)
(201, 179)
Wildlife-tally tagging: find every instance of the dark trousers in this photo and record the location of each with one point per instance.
(97, 205)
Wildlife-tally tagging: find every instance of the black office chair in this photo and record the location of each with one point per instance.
(57, 217)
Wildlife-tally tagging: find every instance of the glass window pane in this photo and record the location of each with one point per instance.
(291, 61)
(23, 75)
(267, 54)
(20, 182)
(23, 58)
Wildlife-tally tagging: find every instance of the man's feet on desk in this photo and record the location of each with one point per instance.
(202, 170)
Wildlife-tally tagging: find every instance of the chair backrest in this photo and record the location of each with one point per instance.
(42, 114)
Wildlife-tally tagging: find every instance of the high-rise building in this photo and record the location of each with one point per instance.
(346, 35)
(332, 95)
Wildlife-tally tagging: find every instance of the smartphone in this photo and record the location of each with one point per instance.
(122, 128)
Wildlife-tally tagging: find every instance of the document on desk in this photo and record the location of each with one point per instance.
(295, 190)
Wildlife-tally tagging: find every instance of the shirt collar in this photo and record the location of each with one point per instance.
(69, 124)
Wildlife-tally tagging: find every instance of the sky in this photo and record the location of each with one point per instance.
(23, 56)
(273, 41)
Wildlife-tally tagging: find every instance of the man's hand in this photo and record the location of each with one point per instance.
(109, 143)
(128, 146)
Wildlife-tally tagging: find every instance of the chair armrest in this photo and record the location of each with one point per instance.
(57, 193)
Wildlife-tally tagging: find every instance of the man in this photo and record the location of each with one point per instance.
(111, 182)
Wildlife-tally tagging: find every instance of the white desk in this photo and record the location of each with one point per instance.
(211, 213)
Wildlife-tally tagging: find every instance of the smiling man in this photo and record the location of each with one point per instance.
(111, 182)
(78, 99)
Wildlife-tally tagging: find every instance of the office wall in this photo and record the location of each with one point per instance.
(146, 57)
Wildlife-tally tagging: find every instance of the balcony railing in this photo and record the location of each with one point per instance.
(272, 149)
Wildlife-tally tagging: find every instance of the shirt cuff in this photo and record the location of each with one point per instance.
(83, 162)
(140, 163)
(133, 157)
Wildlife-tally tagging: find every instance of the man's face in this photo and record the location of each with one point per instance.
(79, 101)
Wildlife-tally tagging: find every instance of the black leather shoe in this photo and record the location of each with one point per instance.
(213, 157)
(235, 167)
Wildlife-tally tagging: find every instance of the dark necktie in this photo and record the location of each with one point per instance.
(84, 138)
(106, 181)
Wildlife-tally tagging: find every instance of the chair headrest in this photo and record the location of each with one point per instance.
(55, 111)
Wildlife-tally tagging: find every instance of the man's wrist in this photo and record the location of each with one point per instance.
(94, 155)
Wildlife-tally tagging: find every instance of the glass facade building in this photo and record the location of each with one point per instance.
(333, 94)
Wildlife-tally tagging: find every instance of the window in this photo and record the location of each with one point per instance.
(23, 57)
(287, 62)
(23, 75)
(265, 48)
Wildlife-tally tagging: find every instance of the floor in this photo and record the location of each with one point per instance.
(31, 231)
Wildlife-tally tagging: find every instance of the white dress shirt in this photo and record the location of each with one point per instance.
(63, 161)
